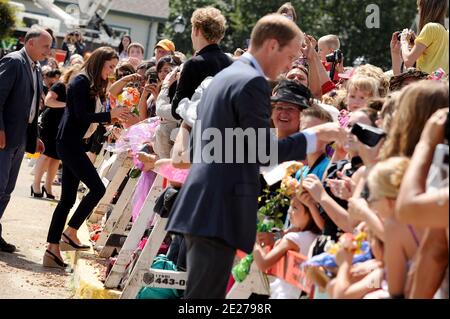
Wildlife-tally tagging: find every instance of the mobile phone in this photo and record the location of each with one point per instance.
(368, 135)
(146, 149)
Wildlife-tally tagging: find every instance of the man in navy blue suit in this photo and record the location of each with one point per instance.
(20, 91)
(216, 207)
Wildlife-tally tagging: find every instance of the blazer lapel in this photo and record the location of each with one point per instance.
(27, 67)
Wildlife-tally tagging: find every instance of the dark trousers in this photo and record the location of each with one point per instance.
(76, 167)
(209, 263)
(10, 161)
(177, 252)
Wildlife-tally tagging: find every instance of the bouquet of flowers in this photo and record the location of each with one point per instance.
(290, 185)
(129, 98)
(269, 215)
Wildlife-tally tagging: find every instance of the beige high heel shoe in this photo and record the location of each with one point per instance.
(52, 261)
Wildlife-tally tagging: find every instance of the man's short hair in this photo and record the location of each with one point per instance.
(136, 45)
(332, 41)
(34, 32)
(274, 26)
(210, 22)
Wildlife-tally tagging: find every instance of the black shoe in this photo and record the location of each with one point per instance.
(47, 194)
(34, 194)
(7, 248)
(52, 261)
(69, 244)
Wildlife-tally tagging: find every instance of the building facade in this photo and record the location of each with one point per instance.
(137, 18)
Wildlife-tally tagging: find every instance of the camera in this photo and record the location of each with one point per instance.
(335, 57)
(368, 135)
(399, 37)
(152, 78)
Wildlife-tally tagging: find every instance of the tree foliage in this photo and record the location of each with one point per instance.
(346, 18)
(7, 19)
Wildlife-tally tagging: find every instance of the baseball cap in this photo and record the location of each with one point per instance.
(166, 44)
(292, 92)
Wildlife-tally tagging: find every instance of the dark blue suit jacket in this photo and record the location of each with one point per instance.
(16, 95)
(220, 200)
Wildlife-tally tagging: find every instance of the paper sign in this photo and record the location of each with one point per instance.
(275, 174)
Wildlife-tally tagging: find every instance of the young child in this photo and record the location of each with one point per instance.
(135, 54)
(359, 281)
(360, 89)
(327, 45)
(300, 217)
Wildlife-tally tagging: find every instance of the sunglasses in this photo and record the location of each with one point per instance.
(286, 108)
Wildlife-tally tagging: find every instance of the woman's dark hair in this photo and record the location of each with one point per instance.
(168, 59)
(93, 68)
(145, 65)
(163, 61)
(124, 70)
(121, 48)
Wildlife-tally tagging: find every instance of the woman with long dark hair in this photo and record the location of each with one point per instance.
(79, 122)
(123, 47)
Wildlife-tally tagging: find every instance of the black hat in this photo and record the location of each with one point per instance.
(292, 92)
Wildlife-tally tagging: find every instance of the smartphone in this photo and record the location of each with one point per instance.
(147, 149)
(368, 135)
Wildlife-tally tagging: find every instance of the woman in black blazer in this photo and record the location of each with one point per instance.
(80, 119)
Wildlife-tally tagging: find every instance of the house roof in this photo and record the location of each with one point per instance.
(149, 8)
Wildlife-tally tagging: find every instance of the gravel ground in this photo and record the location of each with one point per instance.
(25, 224)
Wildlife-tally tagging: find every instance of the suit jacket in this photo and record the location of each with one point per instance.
(79, 112)
(208, 62)
(16, 96)
(220, 200)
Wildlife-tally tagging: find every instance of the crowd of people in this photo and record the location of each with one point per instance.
(373, 148)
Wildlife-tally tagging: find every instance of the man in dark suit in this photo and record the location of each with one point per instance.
(208, 29)
(216, 207)
(20, 91)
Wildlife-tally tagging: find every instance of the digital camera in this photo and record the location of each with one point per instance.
(335, 57)
(368, 135)
(399, 37)
(153, 78)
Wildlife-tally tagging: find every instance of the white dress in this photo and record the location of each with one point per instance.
(279, 288)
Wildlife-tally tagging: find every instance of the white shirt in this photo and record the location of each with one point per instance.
(34, 75)
(302, 239)
(279, 288)
(311, 137)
